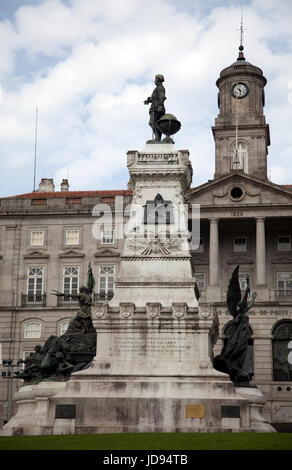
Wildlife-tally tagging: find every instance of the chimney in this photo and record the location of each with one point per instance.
(64, 185)
(46, 185)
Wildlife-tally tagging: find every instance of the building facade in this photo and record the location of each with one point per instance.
(47, 239)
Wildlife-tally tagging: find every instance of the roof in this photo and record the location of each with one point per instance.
(52, 194)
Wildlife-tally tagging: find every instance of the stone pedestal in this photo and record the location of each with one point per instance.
(153, 366)
(155, 263)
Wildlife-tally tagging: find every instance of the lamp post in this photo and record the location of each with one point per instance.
(9, 375)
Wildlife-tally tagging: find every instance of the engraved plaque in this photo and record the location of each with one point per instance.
(195, 411)
(65, 411)
(230, 412)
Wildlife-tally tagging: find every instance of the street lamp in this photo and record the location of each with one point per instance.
(9, 375)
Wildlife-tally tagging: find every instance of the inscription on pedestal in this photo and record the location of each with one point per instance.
(195, 411)
(151, 345)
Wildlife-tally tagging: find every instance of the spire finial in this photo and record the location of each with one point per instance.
(241, 55)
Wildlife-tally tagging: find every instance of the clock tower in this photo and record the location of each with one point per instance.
(241, 134)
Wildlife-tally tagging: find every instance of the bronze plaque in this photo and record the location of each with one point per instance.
(195, 411)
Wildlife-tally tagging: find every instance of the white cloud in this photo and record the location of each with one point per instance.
(89, 65)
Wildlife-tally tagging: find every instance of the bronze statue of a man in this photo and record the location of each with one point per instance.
(157, 109)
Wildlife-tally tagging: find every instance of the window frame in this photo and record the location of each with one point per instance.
(32, 322)
(234, 245)
(276, 341)
(35, 278)
(103, 238)
(242, 155)
(200, 274)
(70, 277)
(31, 238)
(101, 275)
(67, 230)
(278, 244)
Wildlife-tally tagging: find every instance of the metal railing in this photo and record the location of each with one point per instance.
(102, 296)
(33, 299)
(66, 300)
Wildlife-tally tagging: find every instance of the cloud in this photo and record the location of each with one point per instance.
(89, 65)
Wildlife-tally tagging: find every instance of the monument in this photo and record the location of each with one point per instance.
(153, 368)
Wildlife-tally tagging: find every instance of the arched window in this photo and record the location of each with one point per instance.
(32, 330)
(240, 158)
(64, 326)
(282, 335)
(248, 365)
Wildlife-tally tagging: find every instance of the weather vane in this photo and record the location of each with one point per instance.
(241, 29)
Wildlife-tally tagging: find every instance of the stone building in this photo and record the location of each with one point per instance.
(47, 239)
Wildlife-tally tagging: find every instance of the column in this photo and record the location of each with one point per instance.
(214, 252)
(260, 251)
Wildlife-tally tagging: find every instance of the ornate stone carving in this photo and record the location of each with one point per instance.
(159, 157)
(131, 158)
(148, 246)
(126, 309)
(100, 309)
(179, 310)
(184, 156)
(153, 309)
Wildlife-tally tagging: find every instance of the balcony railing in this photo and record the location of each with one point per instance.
(283, 292)
(97, 297)
(33, 299)
(66, 300)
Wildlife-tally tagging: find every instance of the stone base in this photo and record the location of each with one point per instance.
(135, 404)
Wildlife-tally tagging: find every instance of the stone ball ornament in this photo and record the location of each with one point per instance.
(168, 125)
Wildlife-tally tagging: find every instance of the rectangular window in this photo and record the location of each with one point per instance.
(106, 282)
(284, 243)
(284, 284)
(107, 236)
(72, 237)
(70, 282)
(32, 330)
(239, 244)
(37, 237)
(242, 280)
(35, 284)
(200, 279)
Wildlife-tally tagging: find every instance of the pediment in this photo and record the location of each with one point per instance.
(32, 254)
(104, 252)
(254, 191)
(71, 254)
(240, 260)
(282, 260)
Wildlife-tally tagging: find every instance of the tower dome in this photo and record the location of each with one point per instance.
(241, 66)
(241, 126)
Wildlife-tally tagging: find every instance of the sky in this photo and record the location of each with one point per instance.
(88, 65)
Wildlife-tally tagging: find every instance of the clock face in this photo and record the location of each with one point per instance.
(239, 90)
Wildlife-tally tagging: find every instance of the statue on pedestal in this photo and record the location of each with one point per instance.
(160, 122)
(157, 109)
(70, 352)
(232, 357)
